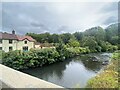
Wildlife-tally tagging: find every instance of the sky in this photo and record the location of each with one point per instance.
(56, 17)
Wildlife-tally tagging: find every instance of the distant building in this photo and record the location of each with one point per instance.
(38, 45)
(10, 42)
(43, 45)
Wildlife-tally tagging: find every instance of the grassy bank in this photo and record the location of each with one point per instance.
(109, 77)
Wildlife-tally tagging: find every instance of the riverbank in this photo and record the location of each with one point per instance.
(39, 57)
(109, 77)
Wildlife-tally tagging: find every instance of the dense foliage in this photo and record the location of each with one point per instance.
(112, 33)
(108, 78)
(1, 55)
(39, 57)
(96, 39)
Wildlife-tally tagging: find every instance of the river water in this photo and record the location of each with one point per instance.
(74, 72)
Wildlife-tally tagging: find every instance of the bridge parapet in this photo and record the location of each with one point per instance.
(16, 79)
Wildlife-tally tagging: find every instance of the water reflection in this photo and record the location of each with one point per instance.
(49, 70)
(72, 72)
(91, 65)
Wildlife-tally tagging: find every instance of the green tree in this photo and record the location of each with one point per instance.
(90, 43)
(66, 37)
(55, 38)
(111, 33)
(97, 32)
(73, 43)
(78, 35)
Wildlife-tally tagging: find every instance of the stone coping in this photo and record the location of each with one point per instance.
(16, 79)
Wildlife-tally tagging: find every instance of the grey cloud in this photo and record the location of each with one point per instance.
(112, 11)
(40, 26)
(111, 19)
(40, 17)
(113, 6)
(0, 16)
(11, 13)
(37, 24)
(31, 12)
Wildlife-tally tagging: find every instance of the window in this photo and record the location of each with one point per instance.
(25, 42)
(25, 48)
(0, 48)
(10, 48)
(10, 41)
(0, 40)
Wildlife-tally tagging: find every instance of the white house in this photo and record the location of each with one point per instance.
(9, 42)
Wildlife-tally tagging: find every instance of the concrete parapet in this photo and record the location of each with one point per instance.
(16, 79)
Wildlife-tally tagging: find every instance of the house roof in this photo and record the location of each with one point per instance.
(15, 37)
(20, 38)
(7, 36)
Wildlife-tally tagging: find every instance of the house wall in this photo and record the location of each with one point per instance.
(16, 45)
(5, 45)
(21, 44)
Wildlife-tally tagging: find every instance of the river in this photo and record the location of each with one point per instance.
(74, 72)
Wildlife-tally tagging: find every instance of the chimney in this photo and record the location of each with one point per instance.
(13, 32)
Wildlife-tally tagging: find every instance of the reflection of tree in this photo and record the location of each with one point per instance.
(47, 71)
(89, 64)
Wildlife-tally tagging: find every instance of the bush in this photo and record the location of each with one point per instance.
(1, 54)
(107, 79)
(33, 58)
(39, 57)
(73, 43)
(106, 46)
(77, 51)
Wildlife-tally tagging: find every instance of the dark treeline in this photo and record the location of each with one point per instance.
(96, 39)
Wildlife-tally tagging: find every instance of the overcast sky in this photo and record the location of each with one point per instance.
(57, 17)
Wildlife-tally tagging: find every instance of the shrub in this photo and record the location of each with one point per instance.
(33, 58)
(77, 51)
(1, 55)
(107, 79)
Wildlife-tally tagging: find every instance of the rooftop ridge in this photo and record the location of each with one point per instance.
(5, 35)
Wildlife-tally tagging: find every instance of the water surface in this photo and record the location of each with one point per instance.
(74, 72)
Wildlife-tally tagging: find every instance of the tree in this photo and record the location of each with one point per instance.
(91, 43)
(97, 32)
(73, 43)
(66, 37)
(78, 35)
(111, 33)
(55, 38)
